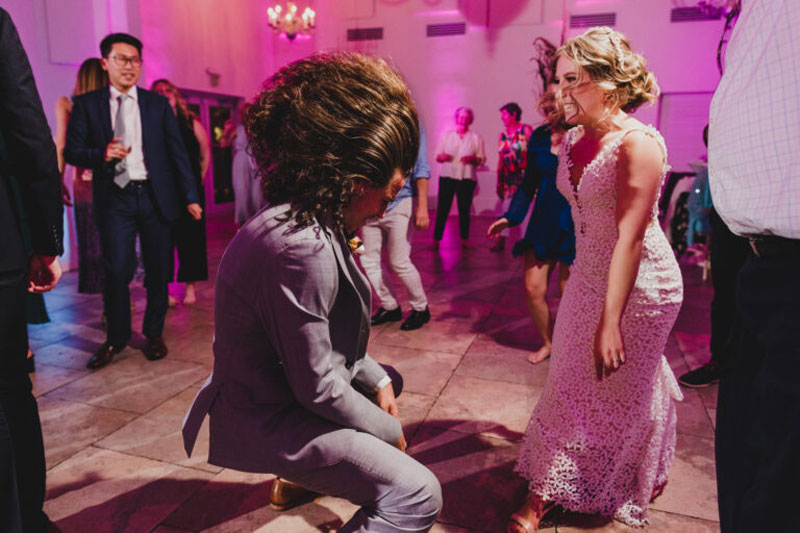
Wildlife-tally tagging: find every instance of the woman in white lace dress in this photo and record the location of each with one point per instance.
(602, 436)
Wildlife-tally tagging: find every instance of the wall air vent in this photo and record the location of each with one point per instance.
(691, 14)
(365, 34)
(443, 30)
(595, 19)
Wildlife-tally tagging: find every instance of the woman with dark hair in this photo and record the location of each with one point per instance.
(460, 153)
(293, 391)
(550, 237)
(91, 273)
(189, 234)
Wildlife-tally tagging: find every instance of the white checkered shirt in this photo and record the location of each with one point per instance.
(754, 135)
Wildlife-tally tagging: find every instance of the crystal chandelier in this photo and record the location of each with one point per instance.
(287, 20)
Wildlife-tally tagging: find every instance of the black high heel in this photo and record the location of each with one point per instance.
(30, 365)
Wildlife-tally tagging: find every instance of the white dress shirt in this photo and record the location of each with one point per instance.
(453, 144)
(133, 133)
(754, 133)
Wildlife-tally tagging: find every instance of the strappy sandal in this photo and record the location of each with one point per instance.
(526, 524)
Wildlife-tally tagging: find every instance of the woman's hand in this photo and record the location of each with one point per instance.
(609, 350)
(497, 226)
(443, 158)
(471, 160)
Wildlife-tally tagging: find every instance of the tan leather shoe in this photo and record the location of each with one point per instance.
(286, 495)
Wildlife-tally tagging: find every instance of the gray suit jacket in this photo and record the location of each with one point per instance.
(290, 338)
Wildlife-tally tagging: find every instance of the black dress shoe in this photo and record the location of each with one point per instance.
(155, 348)
(383, 316)
(103, 355)
(416, 320)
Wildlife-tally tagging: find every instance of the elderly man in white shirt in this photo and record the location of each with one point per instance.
(754, 168)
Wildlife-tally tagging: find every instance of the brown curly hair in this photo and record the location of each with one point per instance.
(606, 56)
(323, 123)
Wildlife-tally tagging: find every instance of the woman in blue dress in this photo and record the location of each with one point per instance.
(550, 237)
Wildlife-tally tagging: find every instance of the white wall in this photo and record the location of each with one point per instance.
(483, 69)
(490, 65)
(183, 39)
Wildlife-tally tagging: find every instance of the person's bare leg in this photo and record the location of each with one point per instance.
(528, 517)
(563, 276)
(537, 274)
(190, 297)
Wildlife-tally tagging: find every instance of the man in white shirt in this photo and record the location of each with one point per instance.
(754, 170)
(129, 137)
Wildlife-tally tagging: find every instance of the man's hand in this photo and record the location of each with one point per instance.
(115, 150)
(195, 210)
(44, 271)
(65, 197)
(421, 219)
(387, 401)
(443, 158)
(401, 444)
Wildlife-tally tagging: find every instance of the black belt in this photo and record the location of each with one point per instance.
(769, 246)
(137, 184)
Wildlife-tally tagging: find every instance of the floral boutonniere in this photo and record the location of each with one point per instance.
(356, 245)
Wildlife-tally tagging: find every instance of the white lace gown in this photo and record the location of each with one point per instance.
(602, 447)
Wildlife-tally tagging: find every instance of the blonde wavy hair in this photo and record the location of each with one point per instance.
(606, 57)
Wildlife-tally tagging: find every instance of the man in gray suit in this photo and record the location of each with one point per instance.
(293, 391)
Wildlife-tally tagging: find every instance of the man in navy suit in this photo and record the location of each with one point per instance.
(28, 154)
(142, 179)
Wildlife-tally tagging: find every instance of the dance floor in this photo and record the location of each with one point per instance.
(115, 457)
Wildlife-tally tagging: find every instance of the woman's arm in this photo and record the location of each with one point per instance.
(205, 147)
(638, 175)
(62, 118)
(63, 106)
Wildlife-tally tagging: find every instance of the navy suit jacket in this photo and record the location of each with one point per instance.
(165, 157)
(30, 157)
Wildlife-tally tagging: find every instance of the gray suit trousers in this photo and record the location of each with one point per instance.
(396, 493)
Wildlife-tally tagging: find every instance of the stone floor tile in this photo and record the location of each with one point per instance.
(230, 501)
(489, 359)
(709, 395)
(660, 522)
(424, 372)
(473, 405)
(157, 435)
(134, 384)
(475, 471)
(441, 334)
(692, 486)
(694, 347)
(104, 491)
(49, 377)
(69, 427)
(414, 408)
(693, 417)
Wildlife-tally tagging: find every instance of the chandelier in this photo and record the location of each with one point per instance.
(287, 20)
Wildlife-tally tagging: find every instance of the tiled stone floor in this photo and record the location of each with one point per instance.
(114, 454)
